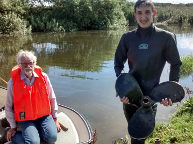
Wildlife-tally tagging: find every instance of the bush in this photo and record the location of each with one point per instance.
(190, 20)
(187, 65)
(11, 23)
(72, 15)
(11, 17)
(179, 14)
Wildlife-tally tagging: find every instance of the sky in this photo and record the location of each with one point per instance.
(171, 1)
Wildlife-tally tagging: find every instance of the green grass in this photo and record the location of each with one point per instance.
(180, 128)
(178, 131)
(187, 65)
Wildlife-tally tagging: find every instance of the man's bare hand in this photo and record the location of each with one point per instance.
(11, 133)
(125, 100)
(57, 125)
(166, 102)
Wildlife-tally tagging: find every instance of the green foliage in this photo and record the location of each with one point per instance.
(179, 130)
(122, 141)
(70, 15)
(73, 15)
(128, 10)
(84, 15)
(11, 23)
(175, 14)
(107, 14)
(186, 108)
(41, 21)
(187, 65)
(190, 20)
(13, 6)
(162, 16)
(11, 17)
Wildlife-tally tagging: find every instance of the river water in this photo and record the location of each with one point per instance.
(80, 67)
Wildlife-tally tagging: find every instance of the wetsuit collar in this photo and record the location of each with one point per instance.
(145, 32)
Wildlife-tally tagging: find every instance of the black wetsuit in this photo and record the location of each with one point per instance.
(147, 51)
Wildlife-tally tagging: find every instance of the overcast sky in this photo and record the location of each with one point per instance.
(171, 1)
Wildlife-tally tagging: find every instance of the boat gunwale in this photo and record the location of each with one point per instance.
(2, 108)
(89, 128)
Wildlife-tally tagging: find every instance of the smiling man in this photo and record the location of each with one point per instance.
(146, 49)
(31, 102)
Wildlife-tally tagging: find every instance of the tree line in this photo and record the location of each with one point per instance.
(26, 16)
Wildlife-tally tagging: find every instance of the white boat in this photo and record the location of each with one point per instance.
(78, 129)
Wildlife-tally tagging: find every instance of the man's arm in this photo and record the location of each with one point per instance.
(52, 97)
(172, 57)
(53, 102)
(9, 105)
(120, 56)
(119, 61)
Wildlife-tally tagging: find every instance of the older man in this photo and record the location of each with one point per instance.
(31, 102)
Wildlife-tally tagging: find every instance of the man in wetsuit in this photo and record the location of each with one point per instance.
(147, 49)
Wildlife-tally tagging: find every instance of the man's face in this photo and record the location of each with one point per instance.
(144, 16)
(27, 66)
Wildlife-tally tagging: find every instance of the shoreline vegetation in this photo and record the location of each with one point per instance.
(179, 129)
(26, 16)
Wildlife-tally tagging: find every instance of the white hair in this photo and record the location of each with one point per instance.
(25, 53)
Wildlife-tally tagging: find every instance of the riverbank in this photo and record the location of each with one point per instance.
(187, 66)
(179, 130)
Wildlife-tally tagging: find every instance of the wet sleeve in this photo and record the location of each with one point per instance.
(173, 58)
(120, 56)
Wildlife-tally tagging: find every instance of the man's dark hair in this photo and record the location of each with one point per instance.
(145, 3)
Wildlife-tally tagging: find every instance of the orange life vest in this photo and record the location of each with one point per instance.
(30, 102)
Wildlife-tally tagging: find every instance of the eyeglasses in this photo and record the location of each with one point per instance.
(26, 64)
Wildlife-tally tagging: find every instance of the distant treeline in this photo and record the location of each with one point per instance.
(25, 16)
(177, 14)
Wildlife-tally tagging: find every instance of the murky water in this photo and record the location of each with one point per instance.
(80, 67)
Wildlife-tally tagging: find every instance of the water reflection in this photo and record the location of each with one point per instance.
(9, 46)
(83, 51)
(80, 67)
(185, 43)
